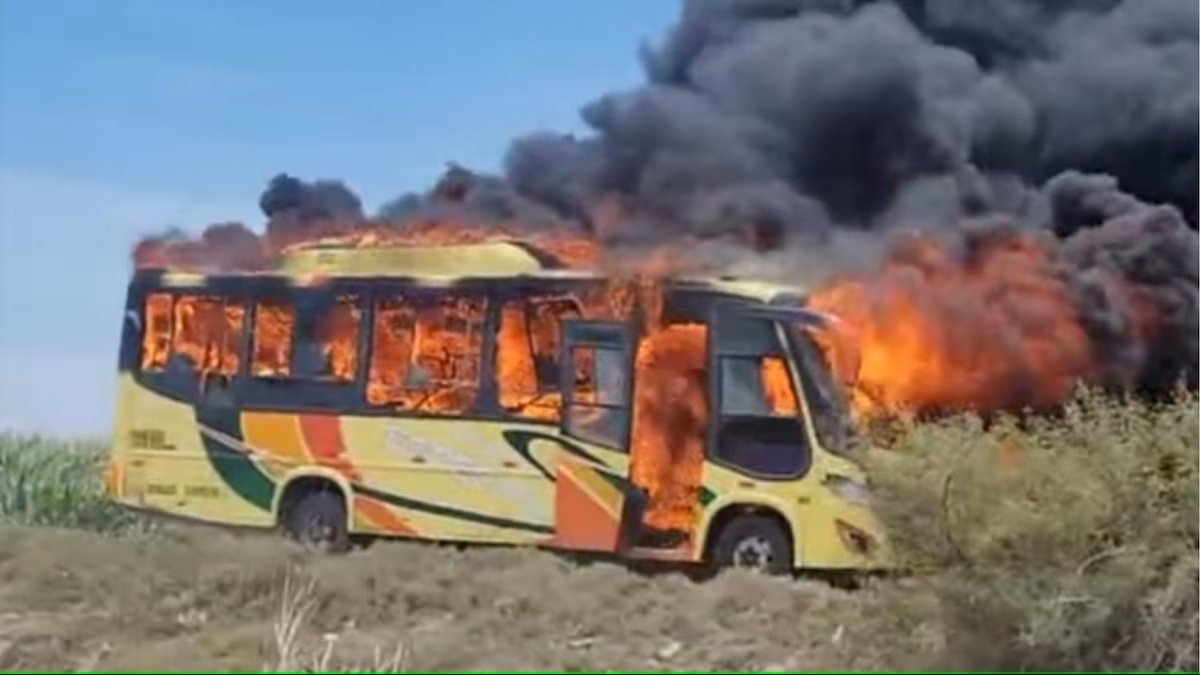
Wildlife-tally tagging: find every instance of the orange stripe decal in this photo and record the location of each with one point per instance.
(277, 434)
(323, 435)
(381, 516)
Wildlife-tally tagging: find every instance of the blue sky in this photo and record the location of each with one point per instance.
(123, 117)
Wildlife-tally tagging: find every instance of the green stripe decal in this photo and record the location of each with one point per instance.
(232, 463)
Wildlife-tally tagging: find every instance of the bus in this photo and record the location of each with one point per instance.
(488, 393)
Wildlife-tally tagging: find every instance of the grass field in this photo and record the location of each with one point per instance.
(1067, 543)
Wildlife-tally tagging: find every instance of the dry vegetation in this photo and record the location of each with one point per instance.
(1067, 543)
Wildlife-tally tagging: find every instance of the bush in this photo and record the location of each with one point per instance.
(1060, 543)
(57, 483)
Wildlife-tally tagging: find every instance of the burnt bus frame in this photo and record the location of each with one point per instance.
(685, 302)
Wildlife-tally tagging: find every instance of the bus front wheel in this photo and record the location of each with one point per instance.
(317, 520)
(754, 542)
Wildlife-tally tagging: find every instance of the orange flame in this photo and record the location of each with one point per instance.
(994, 330)
(204, 329)
(670, 422)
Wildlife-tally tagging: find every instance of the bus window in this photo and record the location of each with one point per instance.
(545, 332)
(427, 357)
(757, 386)
(516, 373)
(527, 356)
(156, 340)
(204, 331)
(391, 351)
(599, 407)
(759, 428)
(328, 347)
(826, 396)
(274, 324)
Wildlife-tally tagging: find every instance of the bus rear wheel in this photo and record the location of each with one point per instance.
(754, 542)
(317, 520)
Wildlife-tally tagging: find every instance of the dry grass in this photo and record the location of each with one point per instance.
(292, 654)
(1067, 543)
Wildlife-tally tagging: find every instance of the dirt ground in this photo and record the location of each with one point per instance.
(195, 599)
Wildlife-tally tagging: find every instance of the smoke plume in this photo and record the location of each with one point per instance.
(801, 138)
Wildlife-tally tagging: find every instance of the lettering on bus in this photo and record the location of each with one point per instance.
(162, 489)
(201, 491)
(149, 439)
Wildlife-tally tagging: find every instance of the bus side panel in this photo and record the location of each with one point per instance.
(452, 478)
(446, 478)
(185, 461)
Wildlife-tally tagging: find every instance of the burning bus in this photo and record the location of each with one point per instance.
(487, 392)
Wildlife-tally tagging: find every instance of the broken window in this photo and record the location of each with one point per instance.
(391, 352)
(274, 324)
(327, 348)
(156, 339)
(201, 332)
(527, 370)
(321, 343)
(427, 357)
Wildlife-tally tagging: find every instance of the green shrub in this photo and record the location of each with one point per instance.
(58, 483)
(1062, 543)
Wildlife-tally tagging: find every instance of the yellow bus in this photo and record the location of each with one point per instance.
(487, 393)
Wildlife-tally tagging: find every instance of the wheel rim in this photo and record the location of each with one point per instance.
(318, 533)
(754, 553)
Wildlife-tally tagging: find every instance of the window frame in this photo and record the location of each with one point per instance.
(615, 336)
(723, 315)
(293, 297)
(193, 384)
(531, 303)
(298, 396)
(419, 298)
(527, 302)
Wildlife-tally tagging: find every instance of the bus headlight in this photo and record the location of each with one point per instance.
(853, 491)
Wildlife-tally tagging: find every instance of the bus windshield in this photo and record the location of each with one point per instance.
(827, 400)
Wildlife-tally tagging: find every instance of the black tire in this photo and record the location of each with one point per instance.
(754, 542)
(317, 520)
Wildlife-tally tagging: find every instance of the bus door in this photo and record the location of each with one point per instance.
(758, 429)
(596, 507)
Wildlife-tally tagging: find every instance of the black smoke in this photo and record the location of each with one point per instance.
(822, 127)
(807, 113)
(818, 118)
(308, 200)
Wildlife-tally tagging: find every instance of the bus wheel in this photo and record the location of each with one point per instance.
(754, 542)
(318, 521)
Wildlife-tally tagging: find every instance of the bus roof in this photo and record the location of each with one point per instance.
(502, 258)
(445, 264)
